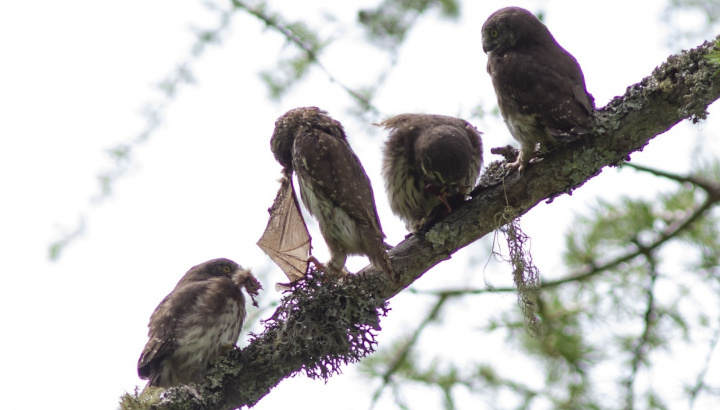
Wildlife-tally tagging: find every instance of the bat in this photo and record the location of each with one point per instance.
(286, 238)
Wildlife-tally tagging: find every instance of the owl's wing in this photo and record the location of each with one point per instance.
(163, 327)
(330, 165)
(549, 83)
(286, 238)
(161, 340)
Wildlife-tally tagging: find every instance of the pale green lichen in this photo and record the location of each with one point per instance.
(439, 234)
(141, 401)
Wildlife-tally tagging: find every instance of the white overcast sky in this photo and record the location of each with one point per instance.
(75, 76)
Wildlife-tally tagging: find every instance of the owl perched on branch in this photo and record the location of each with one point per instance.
(333, 186)
(427, 160)
(539, 86)
(197, 322)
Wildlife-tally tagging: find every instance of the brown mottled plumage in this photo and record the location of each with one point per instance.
(199, 320)
(333, 185)
(427, 159)
(539, 86)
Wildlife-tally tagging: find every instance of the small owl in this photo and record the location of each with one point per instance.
(539, 86)
(428, 159)
(333, 186)
(197, 322)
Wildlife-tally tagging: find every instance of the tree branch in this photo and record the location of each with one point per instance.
(712, 188)
(700, 384)
(682, 88)
(591, 269)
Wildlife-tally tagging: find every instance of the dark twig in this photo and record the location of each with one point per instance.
(650, 318)
(712, 188)
(700, 384)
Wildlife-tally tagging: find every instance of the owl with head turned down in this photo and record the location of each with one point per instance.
(540, 87)
(427, 160)
(196, 323)
(333, 186)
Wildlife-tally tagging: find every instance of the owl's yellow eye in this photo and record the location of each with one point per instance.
(493, 33)
(226, 269)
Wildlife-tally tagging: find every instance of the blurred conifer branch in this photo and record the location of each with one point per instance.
(153, 113)
(291, 70)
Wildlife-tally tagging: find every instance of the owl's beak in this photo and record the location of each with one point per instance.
(488, 46)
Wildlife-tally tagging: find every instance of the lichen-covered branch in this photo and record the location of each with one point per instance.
(682, 88)
(592, 269)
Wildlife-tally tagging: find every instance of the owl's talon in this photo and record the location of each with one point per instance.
(445, 202)
(314, 261)
(515, 165)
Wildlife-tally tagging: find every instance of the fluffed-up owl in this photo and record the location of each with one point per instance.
(428, 159)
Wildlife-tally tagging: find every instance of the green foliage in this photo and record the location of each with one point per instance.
(406, 369)
(677, 10)
(710, 9)
(644, 225)
(306, 49)
(56, 248)
(655, 402)
(714, 56)
(389, 23)
(141, 401)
